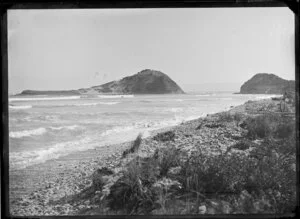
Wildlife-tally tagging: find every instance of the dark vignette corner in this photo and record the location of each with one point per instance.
(293, 5)
(4, 83)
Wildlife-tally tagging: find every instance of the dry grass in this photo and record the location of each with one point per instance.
(262, 182)
(165, 136)
(135, 146)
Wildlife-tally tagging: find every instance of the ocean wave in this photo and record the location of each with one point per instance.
(267, 97)
(97, 103)
(175, 110)
(43, 98)
(27, 133)
(35, 118)
(87, 104)
(19, 160)
(40, 131)
(118, 130)
(116, 96)
(70, 127)
(202, 95)
(225, 98)
(20, 107)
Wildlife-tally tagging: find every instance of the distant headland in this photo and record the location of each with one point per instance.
(263, 83)
(144, 82)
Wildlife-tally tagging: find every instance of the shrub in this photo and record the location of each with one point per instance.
(167, 158)
(262, 181)
(165, 136)
(261, 126)
(232, 174)
(97, 177)
(214, 125)
(130, 193)
(134, 192)
(225, 117)
(276, 98)
(228, 117)
(241, 145)
(285, 130)
(202, 174)
(268, 125)
(135, 146)
(237, 118)
(199, 126)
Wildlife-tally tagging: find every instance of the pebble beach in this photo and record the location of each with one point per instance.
(59, 187)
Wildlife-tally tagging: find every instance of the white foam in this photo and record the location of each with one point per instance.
(118, 130)
(43, 98)
(91, 104)
(20, 160)
(203, 95)
(109, 103)
(115, 96)
(20, 107)
(82, 104)
(26, 133)
(94, 104)
(175, 110)
(70, 127)
(267, 97)
(225, 98)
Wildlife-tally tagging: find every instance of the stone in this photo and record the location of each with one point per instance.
(211, 210)
(174, 170)
(202, 209)
(226, 209)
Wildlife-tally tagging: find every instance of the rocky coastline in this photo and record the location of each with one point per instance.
(65, 186)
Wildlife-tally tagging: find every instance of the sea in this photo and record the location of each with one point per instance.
(45, 127)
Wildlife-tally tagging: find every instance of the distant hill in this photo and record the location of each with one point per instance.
(144, 82)
(264, 83)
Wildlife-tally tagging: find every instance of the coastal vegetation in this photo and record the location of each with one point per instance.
(135, 146)
(242, 161)
(256, 174)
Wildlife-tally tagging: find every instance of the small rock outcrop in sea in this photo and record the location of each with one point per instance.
(264, 83)
(144, 82)
(49, 92)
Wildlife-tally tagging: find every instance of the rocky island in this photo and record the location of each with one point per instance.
(144, 82)
(263, 83)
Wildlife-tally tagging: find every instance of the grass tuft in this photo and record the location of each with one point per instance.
(260, 180)
(165, 136)
(135, 146)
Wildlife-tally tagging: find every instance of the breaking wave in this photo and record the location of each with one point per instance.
(20, 107)
(39, 131)
(70, 127)
(91, 104)
(27, 133)
(20, 160)
(267, 96)
(42, 98)
(115, 96)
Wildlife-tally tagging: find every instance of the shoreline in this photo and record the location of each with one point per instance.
(71, 174)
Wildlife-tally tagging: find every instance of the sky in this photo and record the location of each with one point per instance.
(201, 49)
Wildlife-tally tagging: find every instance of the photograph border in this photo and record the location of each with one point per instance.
(55, 4)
